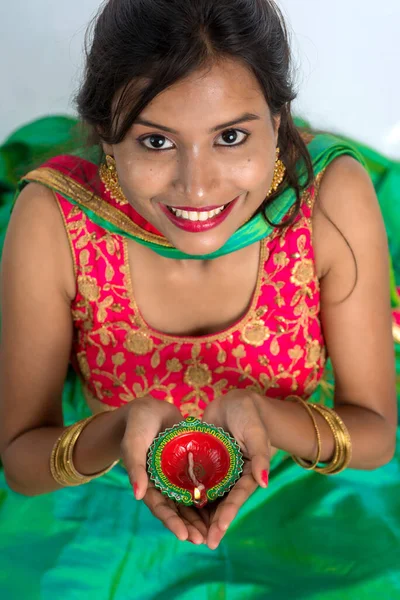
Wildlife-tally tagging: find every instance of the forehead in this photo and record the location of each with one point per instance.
(225, 89)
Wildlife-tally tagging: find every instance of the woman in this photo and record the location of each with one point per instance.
(206, 265)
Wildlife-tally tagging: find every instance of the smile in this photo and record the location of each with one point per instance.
(194, 215)
(198, 220)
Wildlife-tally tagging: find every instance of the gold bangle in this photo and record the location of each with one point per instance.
(343, 448)
(343, 442)
(53, 461)
(305, 464)
(69, 442)
(61, 460)
(347, 445)
(338, 452)
(70, 463)
(59, 468)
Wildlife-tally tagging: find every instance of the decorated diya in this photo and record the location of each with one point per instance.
(194, 462)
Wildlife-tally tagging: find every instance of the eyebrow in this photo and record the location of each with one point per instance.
(242, 119)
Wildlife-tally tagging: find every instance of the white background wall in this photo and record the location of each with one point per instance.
(348, 53)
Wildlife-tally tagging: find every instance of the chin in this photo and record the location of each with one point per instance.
(197, 244)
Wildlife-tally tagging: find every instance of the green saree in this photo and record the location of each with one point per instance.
(307, 536)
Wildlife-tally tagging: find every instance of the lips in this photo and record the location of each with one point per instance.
(201, 209)
(196, 221)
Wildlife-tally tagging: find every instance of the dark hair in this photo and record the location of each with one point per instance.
(155, 43)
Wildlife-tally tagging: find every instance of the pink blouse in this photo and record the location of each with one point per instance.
(276, 348)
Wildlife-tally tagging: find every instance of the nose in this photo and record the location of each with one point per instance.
(197, 178)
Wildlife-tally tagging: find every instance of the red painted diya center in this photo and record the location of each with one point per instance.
(194, 462)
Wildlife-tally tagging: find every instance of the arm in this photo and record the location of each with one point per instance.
(356, 319)
(37, 286)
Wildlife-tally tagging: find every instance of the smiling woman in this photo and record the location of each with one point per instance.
(200, 166)
(206, 266)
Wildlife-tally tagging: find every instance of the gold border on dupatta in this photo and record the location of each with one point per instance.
(67, 186)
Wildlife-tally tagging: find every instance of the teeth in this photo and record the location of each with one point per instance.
(196, 216)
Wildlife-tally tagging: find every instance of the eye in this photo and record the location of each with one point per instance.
(233, 137)
(156, 142)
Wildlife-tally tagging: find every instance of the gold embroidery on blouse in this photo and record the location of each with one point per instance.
(314, 351)
(310, 195)
(139, 343)
(197, 375)
(88, 288)
(303, 272)
(83, 365)
(174, 365)
(255, 333)
(281, 259)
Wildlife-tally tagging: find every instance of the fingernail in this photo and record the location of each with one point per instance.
(264, 477)
(135, 489)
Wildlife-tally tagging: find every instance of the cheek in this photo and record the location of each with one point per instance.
(143, 178)
(254, 173)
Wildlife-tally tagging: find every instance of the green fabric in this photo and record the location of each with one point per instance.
(307, 537)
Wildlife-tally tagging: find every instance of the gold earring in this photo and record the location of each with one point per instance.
(109, 176)
(279, 173)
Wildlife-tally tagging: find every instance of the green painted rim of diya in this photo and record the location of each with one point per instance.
(179, 494)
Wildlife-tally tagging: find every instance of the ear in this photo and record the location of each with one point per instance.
(276, 124)
(107, 148)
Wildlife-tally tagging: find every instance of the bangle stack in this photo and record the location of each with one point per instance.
(342, 454)
(61, 460)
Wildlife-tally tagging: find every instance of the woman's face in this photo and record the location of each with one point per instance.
(205, 144)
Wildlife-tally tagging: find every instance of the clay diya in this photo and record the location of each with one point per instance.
(194, 463)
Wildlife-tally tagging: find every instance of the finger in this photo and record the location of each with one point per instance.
(258, 450)
(194, 535)
(142, 428)
(166, 513)
(214, 537)
(197, 524)
(260, 470)
(135, 464)
(229, 508)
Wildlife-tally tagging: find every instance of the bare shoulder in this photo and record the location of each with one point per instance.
(343, 179)
(37, 232)
(36, 205)
(347, 217)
